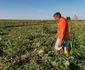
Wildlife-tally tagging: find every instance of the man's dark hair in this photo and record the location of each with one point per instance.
(57, 14)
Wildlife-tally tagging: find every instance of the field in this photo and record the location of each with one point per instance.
(29, 45)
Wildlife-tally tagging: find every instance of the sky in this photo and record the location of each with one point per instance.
(41, 9)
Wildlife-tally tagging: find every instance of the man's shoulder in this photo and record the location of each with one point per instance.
(63, 22)
(63, 19)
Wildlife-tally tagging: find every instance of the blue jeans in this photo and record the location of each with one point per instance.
(64, 45)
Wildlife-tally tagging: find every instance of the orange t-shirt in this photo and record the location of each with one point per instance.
(63, 24)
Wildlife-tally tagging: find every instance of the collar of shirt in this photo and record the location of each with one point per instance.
(60, 19)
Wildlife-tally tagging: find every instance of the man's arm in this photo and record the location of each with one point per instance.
(62, 36)
(63, 27)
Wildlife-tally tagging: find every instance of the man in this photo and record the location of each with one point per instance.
(62, 33)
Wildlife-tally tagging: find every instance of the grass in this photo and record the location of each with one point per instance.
(28, 45)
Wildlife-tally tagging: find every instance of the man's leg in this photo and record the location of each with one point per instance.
(56, 51)
(65, 51)
(65, 47)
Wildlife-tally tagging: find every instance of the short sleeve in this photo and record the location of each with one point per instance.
(63, 24)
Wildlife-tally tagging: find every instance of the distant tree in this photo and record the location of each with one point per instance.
(76, 17)
(68, 18)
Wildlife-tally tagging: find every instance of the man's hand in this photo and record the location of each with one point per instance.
(56, 35)
(62, 36)
(60, 44)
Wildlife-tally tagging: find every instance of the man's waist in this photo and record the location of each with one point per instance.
(65, 37)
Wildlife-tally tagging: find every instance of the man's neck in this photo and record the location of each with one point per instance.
(59, 19)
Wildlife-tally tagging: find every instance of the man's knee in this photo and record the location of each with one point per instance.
(66, 51)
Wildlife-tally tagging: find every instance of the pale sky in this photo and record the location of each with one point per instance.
(41, 9)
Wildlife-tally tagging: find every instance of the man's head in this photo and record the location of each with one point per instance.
(57, 16)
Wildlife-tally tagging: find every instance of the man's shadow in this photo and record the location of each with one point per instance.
(74, 67)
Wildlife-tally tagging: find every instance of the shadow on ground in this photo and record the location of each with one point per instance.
(74, 67)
